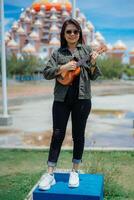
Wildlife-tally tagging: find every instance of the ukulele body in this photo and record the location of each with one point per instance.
(67, 77)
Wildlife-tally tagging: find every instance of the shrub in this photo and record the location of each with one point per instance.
(111, 68)
(26, 65)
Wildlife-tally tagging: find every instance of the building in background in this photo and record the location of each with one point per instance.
(37, 31)
(131, 56)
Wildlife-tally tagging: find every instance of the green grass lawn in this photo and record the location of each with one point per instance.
(21, 169)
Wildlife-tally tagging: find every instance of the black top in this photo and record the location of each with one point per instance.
(73, 91)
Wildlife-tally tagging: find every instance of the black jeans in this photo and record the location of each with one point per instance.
(79, 109)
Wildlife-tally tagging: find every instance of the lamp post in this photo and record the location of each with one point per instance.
(5, 119)
(74, 9)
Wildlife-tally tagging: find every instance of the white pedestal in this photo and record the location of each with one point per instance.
(5, 120)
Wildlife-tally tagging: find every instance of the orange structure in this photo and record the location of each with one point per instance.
(48, 5)
(36, 7)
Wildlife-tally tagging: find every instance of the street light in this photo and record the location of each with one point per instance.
(5, 119)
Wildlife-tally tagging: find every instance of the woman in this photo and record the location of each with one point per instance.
(74, 98)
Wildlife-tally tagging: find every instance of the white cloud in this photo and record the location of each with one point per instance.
(110, 8)
(129, 44)
(8, 21)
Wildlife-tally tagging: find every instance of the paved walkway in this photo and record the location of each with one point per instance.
(109, 126)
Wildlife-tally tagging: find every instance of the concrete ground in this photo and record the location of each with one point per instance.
(110, 124)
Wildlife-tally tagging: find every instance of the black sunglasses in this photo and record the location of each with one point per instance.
(75, 32)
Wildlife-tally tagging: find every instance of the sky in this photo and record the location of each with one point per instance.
(113, 18)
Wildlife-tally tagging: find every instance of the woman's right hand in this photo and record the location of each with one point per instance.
(71, 65)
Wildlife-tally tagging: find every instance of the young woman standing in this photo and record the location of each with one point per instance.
(74, 99)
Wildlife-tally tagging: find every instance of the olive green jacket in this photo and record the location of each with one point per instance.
(62, 56)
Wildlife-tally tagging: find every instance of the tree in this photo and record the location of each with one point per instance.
(111, 68)
(25, 65)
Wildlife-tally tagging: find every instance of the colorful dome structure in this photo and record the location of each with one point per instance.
(58, 5)
(37, 30)
(131, 55)
(118, 50)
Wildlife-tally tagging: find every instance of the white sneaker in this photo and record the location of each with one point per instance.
(73, 179)
(46, 182)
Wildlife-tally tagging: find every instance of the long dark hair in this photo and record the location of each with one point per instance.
(62, 34)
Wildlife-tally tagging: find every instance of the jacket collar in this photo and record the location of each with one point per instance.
(78, 46)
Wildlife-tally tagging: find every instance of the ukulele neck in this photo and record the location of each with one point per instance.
(83, 60)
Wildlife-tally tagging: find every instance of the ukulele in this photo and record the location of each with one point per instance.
(67, 77)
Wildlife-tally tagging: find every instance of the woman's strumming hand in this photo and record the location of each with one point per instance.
(71, 65)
